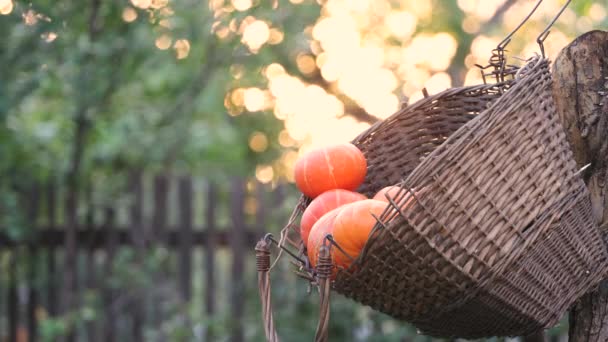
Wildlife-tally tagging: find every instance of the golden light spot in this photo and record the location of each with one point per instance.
(237, 71)
(166, 11)
(584, 24)
(421, 9)
(401, 24)
(237, 97)
(156, 4)
(129, 14)
(163, 42)
(166, 23)
(274, 70)
(250, 185)
(251, 205)
(258, 142)
(473, 77)
(481, 48)
(48, 36)
(254, 99)
(242, 5)
(256, 34)
(143, 4)
(597, 12)
(264, 173)
(296, 2)
(182, 48)
(285, 140)
(30, 18)
(481, 9)
(233, 25)
(438, 82)
(471, 25)
(423, 50)
(6, 7)
(469, 61)
(276, 36)
(222, 32)
(306, 63)
(215, 5)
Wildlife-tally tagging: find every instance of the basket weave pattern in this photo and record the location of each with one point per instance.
(500, 239)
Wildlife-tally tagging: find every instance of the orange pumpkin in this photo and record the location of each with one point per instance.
(336, 167)
(319, 231)
(392, 192)
(351, 228)
(324, 203)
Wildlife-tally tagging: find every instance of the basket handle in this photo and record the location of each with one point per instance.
(324, 269)
(262, 258)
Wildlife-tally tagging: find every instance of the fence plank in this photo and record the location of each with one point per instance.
(159, 219)
(32, 298)
(109, 294)
(159, 225)
(210, 247)
(70, 295)
(237, 195)
(139, 241)
(97, 239)
(185, 238)
(13, 309)
(51, 259)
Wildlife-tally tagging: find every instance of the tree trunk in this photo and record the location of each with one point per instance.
(581, 94)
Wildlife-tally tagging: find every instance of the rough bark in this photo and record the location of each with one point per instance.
(581, 95)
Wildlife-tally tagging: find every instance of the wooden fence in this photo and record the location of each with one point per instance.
(42, 277)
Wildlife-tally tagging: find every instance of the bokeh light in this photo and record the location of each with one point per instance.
(129, 14)
(182, 48)
(163, 42)
(256, 34)
(6, 7)
(258, 142)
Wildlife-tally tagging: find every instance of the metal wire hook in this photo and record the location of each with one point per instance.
(543, 35)
(501, 46)
(498, 61)
(269, 237)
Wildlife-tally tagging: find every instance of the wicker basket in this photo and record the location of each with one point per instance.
(501, 241)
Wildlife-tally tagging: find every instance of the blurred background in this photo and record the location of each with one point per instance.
(146, 144)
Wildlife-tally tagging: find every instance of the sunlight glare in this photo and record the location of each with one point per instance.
(401, 24)
(182, 48)
(143, 4)
(6, 7)
(256, 34)
(242, 5)
(438, 83)
(264, 173)
(258, 142)
(48, 36)
(596, 12)
(163, 42)
(254, 99)
(129, 14)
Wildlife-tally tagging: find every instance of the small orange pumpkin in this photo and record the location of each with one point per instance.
(351, 229)
(392, 191)
(336, 167)
(319, 231)
(324, 203)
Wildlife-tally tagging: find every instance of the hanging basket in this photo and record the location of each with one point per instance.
(499, 239)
